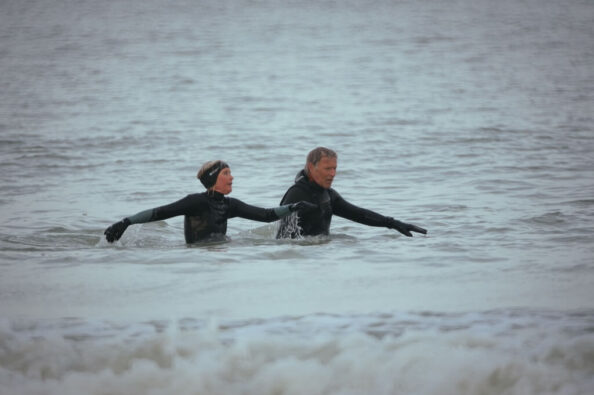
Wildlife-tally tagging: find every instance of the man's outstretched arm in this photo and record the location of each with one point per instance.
(344, 209)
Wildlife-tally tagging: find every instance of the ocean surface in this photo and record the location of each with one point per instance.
(471, 118)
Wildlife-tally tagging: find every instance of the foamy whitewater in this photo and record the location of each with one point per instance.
(472, 119)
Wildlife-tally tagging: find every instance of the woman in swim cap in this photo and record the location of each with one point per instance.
(205, 214)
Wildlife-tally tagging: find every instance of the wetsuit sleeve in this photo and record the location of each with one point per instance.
(184, 206)
(344, 209)
(237, 208)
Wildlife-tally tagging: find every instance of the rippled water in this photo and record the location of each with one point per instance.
(472, 119)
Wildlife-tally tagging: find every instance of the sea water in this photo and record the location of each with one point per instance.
(472, 119)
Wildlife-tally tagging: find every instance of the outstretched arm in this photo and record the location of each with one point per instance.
(344, 209)
(237, 208)
(115, 231)
(404, 228)
(181, 207)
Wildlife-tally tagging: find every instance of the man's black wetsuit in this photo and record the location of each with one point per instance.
(317, 221)
(206, 214)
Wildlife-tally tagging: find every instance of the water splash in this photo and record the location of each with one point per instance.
(288, 227)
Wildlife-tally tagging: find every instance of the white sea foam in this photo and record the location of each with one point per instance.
(309, 355)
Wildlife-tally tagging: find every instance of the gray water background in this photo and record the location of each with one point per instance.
(472, 119)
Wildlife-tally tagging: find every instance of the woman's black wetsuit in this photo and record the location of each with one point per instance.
(317, 221)
(206, 214)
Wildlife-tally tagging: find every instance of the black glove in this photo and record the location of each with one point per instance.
(115, 231)
(302, 206)
(404, 228)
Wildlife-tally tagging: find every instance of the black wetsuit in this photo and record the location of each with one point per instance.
(317, 222)
(205, 214)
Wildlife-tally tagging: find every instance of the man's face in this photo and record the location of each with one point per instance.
(323, 172)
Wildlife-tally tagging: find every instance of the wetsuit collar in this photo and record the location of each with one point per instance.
(212, 194)
(303, 178)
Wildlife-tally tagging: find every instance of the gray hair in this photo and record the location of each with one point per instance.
(317, 154)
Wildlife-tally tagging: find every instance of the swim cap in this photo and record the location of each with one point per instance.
(209, 172)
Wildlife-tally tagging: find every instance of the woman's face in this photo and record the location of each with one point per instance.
(224, 182)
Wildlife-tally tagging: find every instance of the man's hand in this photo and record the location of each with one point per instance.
(405, 228)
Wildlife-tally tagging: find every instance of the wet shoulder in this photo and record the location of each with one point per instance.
(234, 206)
(196, 201)
(296, 192)
(334, 194)
(197, 197)
(232, 202)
